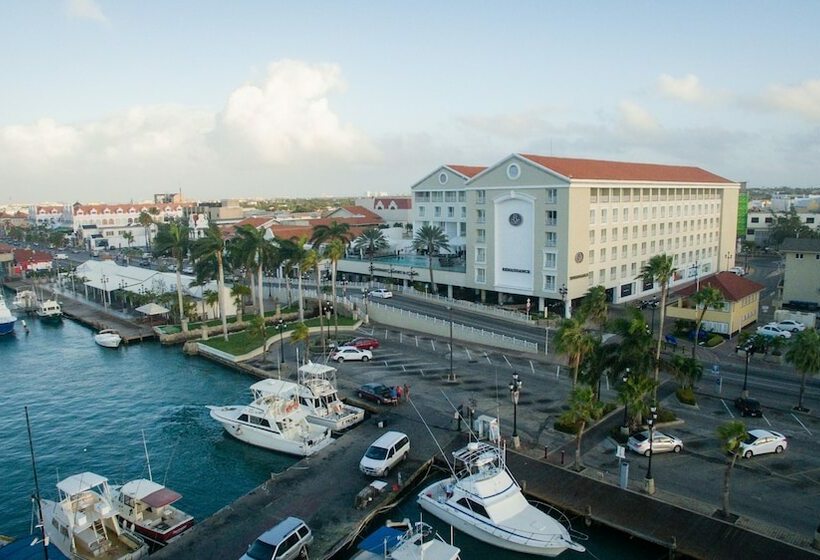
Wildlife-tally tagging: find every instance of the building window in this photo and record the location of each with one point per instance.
(462, 196)
(613, 271)
(462, 229)
(552, 217)
(552, 196)
(451, 212)
(480, 275)
(603, 254)
(437, 212)
(809, 220)
(450, 196)
(592, 216)
(549, 260)
(592, 256)
(592, 236)
(603, 216)
(798, 256)
(768, 220)
(552, 239)
(480, 255)
(480, 216)
(480, 197)
(464, 212)
(549, 283)
(438, 196)
(422, 211)
(481, 235)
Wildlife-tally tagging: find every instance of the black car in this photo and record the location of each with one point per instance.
(377, 392)
(748, 407)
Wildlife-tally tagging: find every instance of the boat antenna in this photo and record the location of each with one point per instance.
(429, 431)
(147, 458)
(37, 487)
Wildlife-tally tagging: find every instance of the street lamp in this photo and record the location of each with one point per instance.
(327, 309)
(280, 324)
(104, 282)
(749, 349)
(452, 377)
(563, 291)
(653, 416)
(625, 427)
(515, 391)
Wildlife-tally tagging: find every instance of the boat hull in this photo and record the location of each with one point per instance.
(157, 539)
(7, 327)
(108, 342)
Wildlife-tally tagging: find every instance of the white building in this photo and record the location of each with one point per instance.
(101, 226)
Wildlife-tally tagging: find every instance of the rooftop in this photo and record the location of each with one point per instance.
(732, 286)
(806, 244)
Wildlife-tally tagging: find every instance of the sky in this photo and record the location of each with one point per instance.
(114, 100)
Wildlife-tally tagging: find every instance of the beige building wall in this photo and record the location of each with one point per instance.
(801, 278)
(728, 320)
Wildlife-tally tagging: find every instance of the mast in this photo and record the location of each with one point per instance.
(147, 458)
(43, 538)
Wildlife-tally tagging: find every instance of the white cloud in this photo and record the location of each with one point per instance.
(636, 118)
(803, 99)
(687, 88)
(45, 140)
(288, 116)
(85, 9)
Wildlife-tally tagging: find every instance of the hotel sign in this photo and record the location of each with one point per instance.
(521, 270)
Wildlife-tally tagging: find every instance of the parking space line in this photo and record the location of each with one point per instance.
(727, 408)
(417, 342)
(532, 367)
(801, 423)
(489, 361)
(469, 358)
(766, 419)
(433, 344)
(506, 360)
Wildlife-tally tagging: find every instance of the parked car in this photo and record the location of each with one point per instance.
(380, 293)
(760, 442)
(363, 343)
(287, 540)
(351, 353)
(60, 257)
(385, 453)
(748, 407)
(661, 443)
(773, 330)
(376, 392)
(791, 325)
(739, 270)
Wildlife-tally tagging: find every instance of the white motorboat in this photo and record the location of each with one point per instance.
(416, 542)
(83, 524)
(483, 500)
(50, 310)
(7, 320)
(25, 300)
(108, 338)
(145, 507)
(273, 421)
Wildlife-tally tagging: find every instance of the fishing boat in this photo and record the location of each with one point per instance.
(50, 310)
(7, 320)
(83, 524)
(482, 499)
(108, 338)
(25, 300)
(273, 421)
(405, 541)
(145, 507)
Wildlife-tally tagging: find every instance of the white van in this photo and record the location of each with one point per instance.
(385, 453)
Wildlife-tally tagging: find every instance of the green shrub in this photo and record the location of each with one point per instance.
(567, 427)
(683, 327)
(686, 395)
(666, 415)
(609, 407)
(615, 433)
(714, 340)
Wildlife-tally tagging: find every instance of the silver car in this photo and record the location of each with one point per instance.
(661, 443)
(763, 441)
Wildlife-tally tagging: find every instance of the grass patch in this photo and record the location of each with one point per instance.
(686, 395)
(666, 415)
(567, 427)
(714, 340)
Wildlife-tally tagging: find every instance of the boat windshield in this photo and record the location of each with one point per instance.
(261, 551)
(374, 452)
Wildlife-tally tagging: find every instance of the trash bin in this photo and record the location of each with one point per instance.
(624, 475)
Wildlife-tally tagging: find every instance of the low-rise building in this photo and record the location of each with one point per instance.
(801, 277)
(28, 260)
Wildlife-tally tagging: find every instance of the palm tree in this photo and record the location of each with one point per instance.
(326, 233)
(146, 221)
(804, 354)
(212, 246)
(632, 394)
(431, 240)
(313, 260)
(687, 371)
(129, 238)
(731, 435)
(370, 241)
(334, 251)
(173, 240)
(597, 364)
(301, 333)
(594, 306)
(255, 252)
(706, 297)
(635, 347)
(572, 340)
(296, 257)
(584, 408)
(660, 269)
(258, 329)
(210, 297)
(239, 292)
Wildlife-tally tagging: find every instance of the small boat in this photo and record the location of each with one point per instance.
(7, 320)
(146, 507)
(83, 524)
(25, 300)
(273, 421)
(109, 338)
(416, 542)
(50, 310)
(483, 500)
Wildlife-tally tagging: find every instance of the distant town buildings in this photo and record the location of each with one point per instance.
(801, 275)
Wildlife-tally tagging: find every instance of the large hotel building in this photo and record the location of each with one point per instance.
(549, 228)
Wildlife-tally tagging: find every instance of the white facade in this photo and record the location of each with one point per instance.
(99, 226)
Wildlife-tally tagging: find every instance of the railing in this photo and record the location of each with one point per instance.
(470, 305)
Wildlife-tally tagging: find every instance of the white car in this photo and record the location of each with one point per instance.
(380, 293)
(661, 443)
(773, 330)
(351, 353)
(791, 325)
(739, 270)
(762, 441)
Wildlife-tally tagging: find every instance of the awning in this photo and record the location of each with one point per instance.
(151, 309)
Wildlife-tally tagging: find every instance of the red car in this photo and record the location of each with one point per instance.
(363, 343)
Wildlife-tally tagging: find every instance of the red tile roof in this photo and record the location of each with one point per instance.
(6, 248)
(362, 216)
(732, 286)
(594, 169)
(402, 202)
(256, 221)
(467, 170)
(27, 255)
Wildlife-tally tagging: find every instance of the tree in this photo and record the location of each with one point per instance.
(686, 370)
(635, 347)
(572, 340)
(584, 408)
(323, 233)
(129, 238)
(173, 240)
(660, 269)
(431, 240)
(731, 435)
(239, 292)
(146, 221)
(788, 225)
(707, 297)
(633, 393)
(211, 298)
(301, 334)
(597, 364)
(258, 329)
(295, 255)
(804, 354)
(595, 307)
(370, 241)
(212, 246)
(255, 252)
(334, 251)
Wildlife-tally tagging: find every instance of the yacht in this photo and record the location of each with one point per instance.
(83, 524)
(50, 310)
(108, 338)
(483, 500)
(416, 542)
(25, 300)
(274, 421)
(7, 320)
(146, 507)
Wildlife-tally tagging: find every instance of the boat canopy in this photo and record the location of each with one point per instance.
(80, 483)
(314, 369)
(376, 542)
(153, 494)
(274, 387)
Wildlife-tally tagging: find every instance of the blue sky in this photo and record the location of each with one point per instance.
(114, 100)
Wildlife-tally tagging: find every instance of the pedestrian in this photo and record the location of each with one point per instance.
(457, 420)
(399, 392)
(407, 391)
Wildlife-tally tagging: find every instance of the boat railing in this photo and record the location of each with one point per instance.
(561, 517)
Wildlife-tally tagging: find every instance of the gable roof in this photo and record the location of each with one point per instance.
(256, 221)
(359, 215)
(468, 171)
(29, 256)
(732, 286)
(402, 202)
(801, 244)
(595, 169)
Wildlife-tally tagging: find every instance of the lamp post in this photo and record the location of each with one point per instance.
(280, 324)
(327, 309)
(451, 378)
(653, 416)
(122, 293)
(529, 303)
(749, 350)
(515, 391)
(563, 291)
(104, 282)
(625, 426)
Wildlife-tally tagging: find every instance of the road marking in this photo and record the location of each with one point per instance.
(417, 341)
(469, 358)
(506, 360)
(433, 344)
(766, 419)
(488, 358)
(727, 408)
(532, 367)
(801, 423)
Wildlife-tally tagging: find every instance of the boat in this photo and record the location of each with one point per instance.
(145, 507)
(109, 338)
(50, 310)
(7, 320)
(483, 500)
(83, 524)
(25, 300)
(415, 542)
(273, 421)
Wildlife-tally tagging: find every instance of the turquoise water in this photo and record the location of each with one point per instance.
(88, 406)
